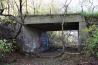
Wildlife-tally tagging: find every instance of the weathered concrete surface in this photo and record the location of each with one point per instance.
(35, 25)
(30, 40)
(41, 19)
(26, 41)
(82, 35)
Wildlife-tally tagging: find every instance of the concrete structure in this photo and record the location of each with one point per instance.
(34, 25)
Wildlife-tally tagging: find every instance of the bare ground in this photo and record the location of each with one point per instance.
(66, 59)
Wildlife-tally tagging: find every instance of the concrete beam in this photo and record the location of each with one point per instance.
(40, 19)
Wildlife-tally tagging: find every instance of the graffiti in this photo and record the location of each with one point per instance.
(44, 41)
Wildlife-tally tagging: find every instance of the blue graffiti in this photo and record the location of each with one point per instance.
(45, 40)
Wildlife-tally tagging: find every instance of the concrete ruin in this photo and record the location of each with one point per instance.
(30, 39)
(33, 36)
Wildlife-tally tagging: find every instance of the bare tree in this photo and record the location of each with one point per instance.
(89, 4)
(21, 17)
(36, 6)
(66, 5)
(92, 6)
(26, 6)
(81, 4)
(8, 7)
(20, 13)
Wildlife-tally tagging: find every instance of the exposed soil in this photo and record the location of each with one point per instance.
(66, 59)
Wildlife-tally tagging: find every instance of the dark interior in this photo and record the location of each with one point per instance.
(55, 26)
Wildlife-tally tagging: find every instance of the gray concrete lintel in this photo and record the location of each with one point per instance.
(41, 19)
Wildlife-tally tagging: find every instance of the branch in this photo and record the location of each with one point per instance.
(23, 3)
(16, 5)
(66, 6)
(69, 2)
(12, 17)
(19, 31)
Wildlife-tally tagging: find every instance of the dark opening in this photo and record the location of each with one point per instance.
(52, 32)
(56, 26)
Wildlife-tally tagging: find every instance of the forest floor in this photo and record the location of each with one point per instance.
(66, 59)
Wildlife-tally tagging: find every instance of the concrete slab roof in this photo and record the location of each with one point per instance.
(53, 18)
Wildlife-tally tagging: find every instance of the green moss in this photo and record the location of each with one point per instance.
(89, 14)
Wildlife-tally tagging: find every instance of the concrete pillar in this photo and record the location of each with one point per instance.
(82, 35)
(28, 39)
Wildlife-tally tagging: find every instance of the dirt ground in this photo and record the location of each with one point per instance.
(66, 59)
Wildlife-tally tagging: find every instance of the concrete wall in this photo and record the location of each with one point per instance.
(82, 35)
(30, 40)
